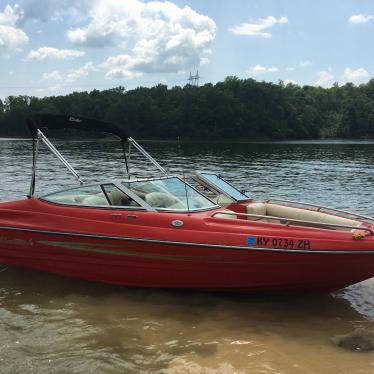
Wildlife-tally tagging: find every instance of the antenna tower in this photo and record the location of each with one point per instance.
(194, 79)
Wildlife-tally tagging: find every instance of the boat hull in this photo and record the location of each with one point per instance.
(137, 262)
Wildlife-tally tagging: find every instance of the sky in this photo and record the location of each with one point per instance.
(53, 47)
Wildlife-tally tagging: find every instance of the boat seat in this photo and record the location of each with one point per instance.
(261, 210)
(68, 199)
(78, 199)
(118, 198)
(307, 215)
(226, 216)
(178, 205)
(95, 200)
(256, 208)
(160, 200)
(277, 210)
(222, 200)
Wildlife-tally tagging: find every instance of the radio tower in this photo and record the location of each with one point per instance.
(194, 79)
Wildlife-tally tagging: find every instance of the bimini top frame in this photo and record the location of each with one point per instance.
(37, 122)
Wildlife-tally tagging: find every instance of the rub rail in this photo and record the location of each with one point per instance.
(287, 221)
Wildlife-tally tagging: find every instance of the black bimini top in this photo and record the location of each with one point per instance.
(61, 121)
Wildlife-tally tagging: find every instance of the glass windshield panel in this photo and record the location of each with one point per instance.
(170, 194)
(89, 195)
(117, 197)
(224, 186)
(212, 194)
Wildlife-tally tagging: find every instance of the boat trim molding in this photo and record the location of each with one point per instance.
(287, 221)
(208, 245)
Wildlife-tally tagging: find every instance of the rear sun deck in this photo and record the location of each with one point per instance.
(287, 212)
(241, 206)
(277, 213)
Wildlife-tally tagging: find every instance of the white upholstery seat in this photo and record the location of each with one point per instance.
(160, 200)
(94, 200)
(64, 199)
(282, 211)
(118, 198)
(226, 216)
(222, 200)
(257, 208)
(307, 215)
(79, 198)
(178, 205)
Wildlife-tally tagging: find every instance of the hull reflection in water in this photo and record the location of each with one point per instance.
(55, 325)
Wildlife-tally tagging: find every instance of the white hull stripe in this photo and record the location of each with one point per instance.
(207, 245)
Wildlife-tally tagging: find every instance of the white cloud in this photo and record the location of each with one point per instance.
(360, 18)
(71, 76)
(49, 90)
(120, 67)
(157, 36)
(81, 72)
(53, 75)
(204, 60)
(289, 81)
(324, 78)
(257, 28)
(258, 69)
(305, 63)
(11, 16)
(43, 53)
(355, 75)
(11, 39)
(52, 10)
(301, 65)
(55, 87)
(11, 36)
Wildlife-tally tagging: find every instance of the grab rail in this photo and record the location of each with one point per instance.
(319, 207)
(287, 221)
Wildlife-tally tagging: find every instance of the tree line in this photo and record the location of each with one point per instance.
(232, 109)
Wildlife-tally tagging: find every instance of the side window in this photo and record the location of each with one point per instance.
(218, 183)
(89, 195)
(208, 191)
(117, 197)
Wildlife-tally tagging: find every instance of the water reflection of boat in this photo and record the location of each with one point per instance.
(164, 232)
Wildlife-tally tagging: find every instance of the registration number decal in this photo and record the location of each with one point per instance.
(264, 241)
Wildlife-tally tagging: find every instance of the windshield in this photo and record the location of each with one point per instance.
(170, 194)
(86, 195)
(223, 186)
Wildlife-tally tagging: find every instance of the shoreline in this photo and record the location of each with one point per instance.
(218, 141)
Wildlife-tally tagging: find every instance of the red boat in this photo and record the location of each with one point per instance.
(166, 232)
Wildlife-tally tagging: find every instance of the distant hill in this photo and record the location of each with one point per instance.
(232, 109)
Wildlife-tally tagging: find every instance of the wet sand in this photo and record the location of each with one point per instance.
(51, 324)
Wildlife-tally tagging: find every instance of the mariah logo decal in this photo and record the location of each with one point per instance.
(16, 242)
(73, 119)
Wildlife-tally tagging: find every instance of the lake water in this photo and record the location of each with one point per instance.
(50, 324)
